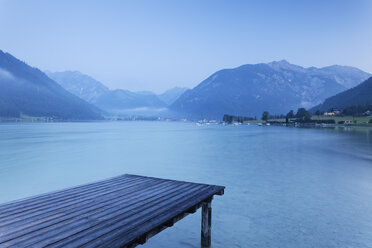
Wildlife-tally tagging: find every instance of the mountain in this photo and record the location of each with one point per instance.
(344, 75)
(277, 87)
(171, 95)
(359, 95)
(28, 91)
(112, 101)
(79, 84)
(126, 100)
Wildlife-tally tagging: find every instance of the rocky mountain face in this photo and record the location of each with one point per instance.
(276, 87)
(25, 90)
(79, 84)
(359, 95)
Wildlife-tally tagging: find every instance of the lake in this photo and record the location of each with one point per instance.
(285, 187)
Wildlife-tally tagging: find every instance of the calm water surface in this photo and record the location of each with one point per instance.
(285, 187)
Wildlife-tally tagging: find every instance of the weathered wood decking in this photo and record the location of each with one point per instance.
(120, 212)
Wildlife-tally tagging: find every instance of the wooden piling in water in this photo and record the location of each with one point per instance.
(206, 224)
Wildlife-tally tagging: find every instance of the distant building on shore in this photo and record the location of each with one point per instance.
(332, 113)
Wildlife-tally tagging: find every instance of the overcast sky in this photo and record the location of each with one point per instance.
(155, 45)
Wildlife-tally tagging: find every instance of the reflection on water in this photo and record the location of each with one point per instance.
(285, 187)
(363, 132)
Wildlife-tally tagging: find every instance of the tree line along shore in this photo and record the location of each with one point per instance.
(350, 116)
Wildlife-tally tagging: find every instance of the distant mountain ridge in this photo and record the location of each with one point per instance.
(171, 95)
(277, 87)
(25, 90)
(117, 101)
(246, 90)
(125, 99)
(359, 95)
(79, 84)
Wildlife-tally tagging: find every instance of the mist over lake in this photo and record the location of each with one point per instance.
(285, 187)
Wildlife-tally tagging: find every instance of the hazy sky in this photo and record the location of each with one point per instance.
(155, 45)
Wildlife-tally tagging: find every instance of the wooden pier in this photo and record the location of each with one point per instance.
(124, 211)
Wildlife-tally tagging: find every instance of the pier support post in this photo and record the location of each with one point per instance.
(206, 224)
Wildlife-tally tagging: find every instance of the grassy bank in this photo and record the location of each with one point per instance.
(358, 121)
(363, 120)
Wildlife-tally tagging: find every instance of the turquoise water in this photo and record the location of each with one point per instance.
(285, 187)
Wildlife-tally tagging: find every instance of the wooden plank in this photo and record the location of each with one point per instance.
(100, 214)
(121, 219)
(153, 220)
(76, 213)
(34, 203)
(121, 211)
(52, 206)
(76, 201)
(81, 220)
(64, 192)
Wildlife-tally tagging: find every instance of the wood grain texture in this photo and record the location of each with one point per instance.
(119, 212)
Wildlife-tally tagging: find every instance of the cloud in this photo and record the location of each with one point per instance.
(4, 74)
(146, 109)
